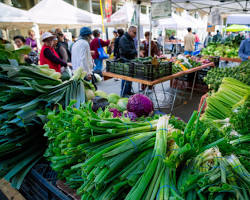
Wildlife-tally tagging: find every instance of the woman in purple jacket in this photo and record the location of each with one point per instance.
(31, 40)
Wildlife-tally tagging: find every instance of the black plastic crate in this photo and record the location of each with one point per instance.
(119, 67)
(186, 77)
(147, 71)
(40, 184)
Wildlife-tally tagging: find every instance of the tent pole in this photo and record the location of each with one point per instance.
(101, 8)
(138, 27)
(35, 28)
(163, 42)
(7, 33)
(150, 35)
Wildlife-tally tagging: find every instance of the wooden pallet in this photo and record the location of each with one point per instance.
(10, 192)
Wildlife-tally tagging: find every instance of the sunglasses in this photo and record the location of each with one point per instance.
(134, 32)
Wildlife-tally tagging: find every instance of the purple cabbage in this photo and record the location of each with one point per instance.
(140, 105)
(132, 116)
(116, 113)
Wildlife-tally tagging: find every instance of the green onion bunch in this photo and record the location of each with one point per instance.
(220, 104)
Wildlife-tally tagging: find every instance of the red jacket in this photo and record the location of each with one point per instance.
(44, 60)
(94, 45)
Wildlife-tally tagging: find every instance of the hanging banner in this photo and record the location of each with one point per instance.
(210, 27)
(108, 9)
(161, 9)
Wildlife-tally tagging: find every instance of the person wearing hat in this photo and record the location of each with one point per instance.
(94, 45)
(80, 53)
(48, 54)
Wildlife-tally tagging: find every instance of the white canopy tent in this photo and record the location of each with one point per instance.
(175, 22)
(243, 19)
(11, 17)
(123, 17)
(48, 13)
(226, 6)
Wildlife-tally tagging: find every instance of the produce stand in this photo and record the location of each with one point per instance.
(161, 80)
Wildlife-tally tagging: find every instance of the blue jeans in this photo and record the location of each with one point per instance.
(127, 88)
(98, 64)
(188, 53)
(196, 46)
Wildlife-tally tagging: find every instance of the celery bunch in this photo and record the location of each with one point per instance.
(220, 104)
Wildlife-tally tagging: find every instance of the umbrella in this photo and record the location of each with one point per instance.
(236, 28)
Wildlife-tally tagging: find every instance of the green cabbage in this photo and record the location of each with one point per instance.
(122, 104)
(101, 94)
(113, 98)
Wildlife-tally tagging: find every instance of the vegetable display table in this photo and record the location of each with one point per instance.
(160, 80)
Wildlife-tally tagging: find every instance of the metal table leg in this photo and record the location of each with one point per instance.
(146, 90)
(191, 96)
(156, 98)
(176, 90)
(132, 88)
(123, 88)
(163, 90)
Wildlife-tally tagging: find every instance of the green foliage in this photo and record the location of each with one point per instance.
(222, 50)
(214, 76)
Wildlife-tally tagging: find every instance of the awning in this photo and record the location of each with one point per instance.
(48, 13)
(239, 19)
(226, 6)
(236, 28)
(11, 17)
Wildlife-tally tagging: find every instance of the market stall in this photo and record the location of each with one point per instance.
(59, 133)
(151, 75)
(96, 146)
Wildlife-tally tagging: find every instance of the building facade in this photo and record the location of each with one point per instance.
(88, 5)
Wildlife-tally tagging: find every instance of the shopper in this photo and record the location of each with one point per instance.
(127, 52)
(244, 50)
(189, 41)
(32, 57)
(154, 52)
(48, 54)
(116, 46)
(31, 40)
(217, 37)
(160, 42)
(112, 43)
(94, 45)
(208, 39)
(154, 48)
(81, 55)
(62, 49)
(197, 41)
(172, 37)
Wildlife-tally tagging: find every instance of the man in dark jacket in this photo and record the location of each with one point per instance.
(127, 51)
(116, 45)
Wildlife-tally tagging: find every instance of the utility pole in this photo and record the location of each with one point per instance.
(8, 2)
(75, 3)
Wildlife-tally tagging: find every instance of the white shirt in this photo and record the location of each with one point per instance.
(81, 56)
